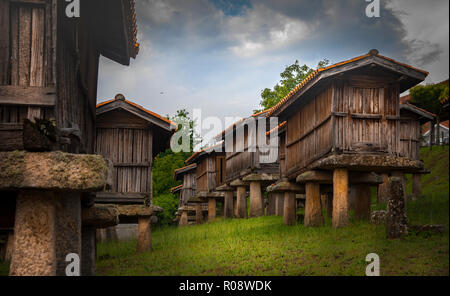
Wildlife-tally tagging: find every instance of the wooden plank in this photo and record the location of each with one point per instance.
(4, 42)
(28, 96)
(24, 45)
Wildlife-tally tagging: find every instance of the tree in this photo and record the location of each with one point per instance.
(430, 98)
(164, 165)
(290, 78)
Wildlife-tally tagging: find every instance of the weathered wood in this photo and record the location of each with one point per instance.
(28, 96)
(241, 202)
(313, 209)
(340, 198)
(256, 201)
(211, 209)
(228, 207)
(362, 202)
(289, 210)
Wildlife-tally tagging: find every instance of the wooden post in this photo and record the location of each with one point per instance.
(198, 213)
(382, 189)
(270, 210)
(256, 201)
(241, 202)
(88, 250)
(34, 235)
(111, 234)
(184, 218)
(228, 201)
(144, 241)
(417, 185)
(362, 201)
(313, 209)
(340, 198)
(279, 204)
(329, 203)
(9, 246)
(211, 209)
(289, 212)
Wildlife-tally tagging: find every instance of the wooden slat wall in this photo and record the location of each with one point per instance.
(309, 132)
(207, 173)
(26, 33)
(188, 190)
(130, 150)
(410, 138)
(365, 117)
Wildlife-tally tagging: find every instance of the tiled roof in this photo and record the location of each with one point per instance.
(318, 71)
(426, 127)
(132, 30)
(207, 150)
(141, 108)
(280, 126)
(185, 168)
(420, 109)
(176, 188)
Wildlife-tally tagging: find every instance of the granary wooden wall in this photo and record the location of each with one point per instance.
(241, 160)
(354, 113)
(210, 171)
(188, 189)
(48, 69)
(127, 141)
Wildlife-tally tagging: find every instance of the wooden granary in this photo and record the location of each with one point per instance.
(186, 191)
(48, 92)
(343, 124)
(130, 136)
(245, 170)
(210, 173)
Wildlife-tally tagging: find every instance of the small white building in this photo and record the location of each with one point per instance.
(443, 133)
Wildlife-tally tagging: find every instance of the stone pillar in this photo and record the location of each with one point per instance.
(68, 229)
(235, 211)
(256, 201)
(34, 235)
(279, 204)
(313, 209)
(88, 250)
(101, 235)
(382, 189)
(241, 202)
(211, 209)
(144, 239)
(340, 198)
(198, 213)
(362, 201)
(396, 220)
(401, 176)
(184, 218)
(289, 212)
(9, 246)
(417, 185)
(228, 201)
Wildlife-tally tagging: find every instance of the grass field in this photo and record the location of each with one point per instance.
(265, 246)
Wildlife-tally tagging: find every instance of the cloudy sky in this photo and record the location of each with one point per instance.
(219, 55)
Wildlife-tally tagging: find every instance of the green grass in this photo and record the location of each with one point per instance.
(265, 246)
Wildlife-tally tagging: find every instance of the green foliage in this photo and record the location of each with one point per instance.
(170, 205)
(290, 78)
(429, 97)
(163, 169)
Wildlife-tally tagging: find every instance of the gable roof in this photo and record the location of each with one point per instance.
(205, 151)
(424, 114)
(178, 173)
(176, 189)
(426, 127)
(372, 58)
(119, 102)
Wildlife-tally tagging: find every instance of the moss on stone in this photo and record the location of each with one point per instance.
(12, 166)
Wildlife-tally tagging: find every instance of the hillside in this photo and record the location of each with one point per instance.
(265, 246)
